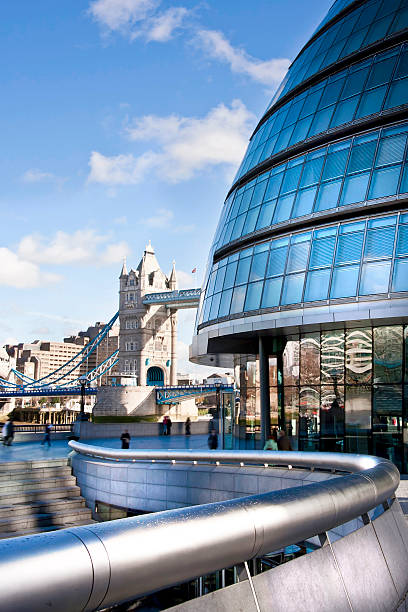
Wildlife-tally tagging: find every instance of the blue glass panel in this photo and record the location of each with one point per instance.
(258, 266)
(317, 284)
(331, 93)
(344, 282)
(335, 163)
(349, 248)
(391, 150)
(225, 303)
(273, 186)
(220, 279)
(362, 157)
(311, 171)
(344, 111)
(253, 296)
(211, 283)
(322, 252)
(400, 276)
(206, 310)
(230, 275)
(381, 72)
(397, 94)
(293, 288)
(243, 271)
(277, 260)
(404, 180)
(259, 193)
(239, 224)
(354, 189)
(384, 182)
(355, 226)
(328, 195)
(283, 208)
(298, 255)
(238, 298)
(402, 241)
(304, 202)
(272, 291)
(321, 121)
(354, 83)
(375, 277)
(301, 130)
(290, 182)
(265, 216)
(379, 242)
(402, 68)
(250, 221)
(246, 198)
(215, 305)
(382, 221)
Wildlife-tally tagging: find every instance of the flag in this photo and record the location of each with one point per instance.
(194, 271)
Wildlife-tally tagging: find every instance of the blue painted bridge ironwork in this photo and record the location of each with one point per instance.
(46, 392)
(172, 395)
(181, 298)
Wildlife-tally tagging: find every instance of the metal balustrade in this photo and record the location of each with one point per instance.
(99, 565)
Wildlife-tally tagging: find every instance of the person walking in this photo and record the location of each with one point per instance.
(125, 437)
(213, 440)
(283, 441)
(188, 426)
(169, 424)
(8, 433)
(165, 420)
(47, 434)
(272, 442)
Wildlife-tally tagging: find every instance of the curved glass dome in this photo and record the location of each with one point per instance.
(317, 211)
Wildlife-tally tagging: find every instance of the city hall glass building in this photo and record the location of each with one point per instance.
(306, 291)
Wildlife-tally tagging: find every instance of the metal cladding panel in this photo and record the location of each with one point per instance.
(237, 597)
(364, 571)
(393, 547)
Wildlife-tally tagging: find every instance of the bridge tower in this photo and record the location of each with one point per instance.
(148, 333)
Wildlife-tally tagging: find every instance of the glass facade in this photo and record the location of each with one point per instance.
(352, 171)
(354, 258)
(313, 239)
(368, 87)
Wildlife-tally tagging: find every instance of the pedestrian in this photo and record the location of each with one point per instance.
(8, 432)
(188, 426)
(283, 441)
(213, 440)
(169, 424)
(165, 419)
(272, 442)
(125, 437)
(47, 433)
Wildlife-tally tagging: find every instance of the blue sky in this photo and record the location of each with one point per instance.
(124, 121)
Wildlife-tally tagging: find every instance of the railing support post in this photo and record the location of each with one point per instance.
(264, 391)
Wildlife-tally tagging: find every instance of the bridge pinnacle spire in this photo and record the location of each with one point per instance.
(149, 248)
(124, 269)
(173, 277)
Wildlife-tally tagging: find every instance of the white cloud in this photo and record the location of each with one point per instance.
(119, 169)
(162, 27)
(82, 246)
(185, 146)
(135, 18)
(269, 72)
(119, 15)
(33, 175)
(16, 271)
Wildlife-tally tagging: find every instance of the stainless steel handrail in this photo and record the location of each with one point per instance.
(107, 563)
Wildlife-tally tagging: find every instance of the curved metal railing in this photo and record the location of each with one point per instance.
(86, 568)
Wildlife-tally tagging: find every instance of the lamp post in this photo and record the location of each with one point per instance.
(83, 381)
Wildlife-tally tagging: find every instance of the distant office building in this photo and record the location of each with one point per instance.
(307, 288)
(106, 347)
(148, 333)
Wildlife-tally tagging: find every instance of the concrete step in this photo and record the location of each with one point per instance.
(35, 474)
(60, 517)
(10, 466)
(17, 486)
(24, 532)
(40, 495)
(40, 507)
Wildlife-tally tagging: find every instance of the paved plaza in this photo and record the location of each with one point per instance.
(34, 451)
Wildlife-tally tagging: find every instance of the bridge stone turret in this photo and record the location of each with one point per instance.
(148, 332)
